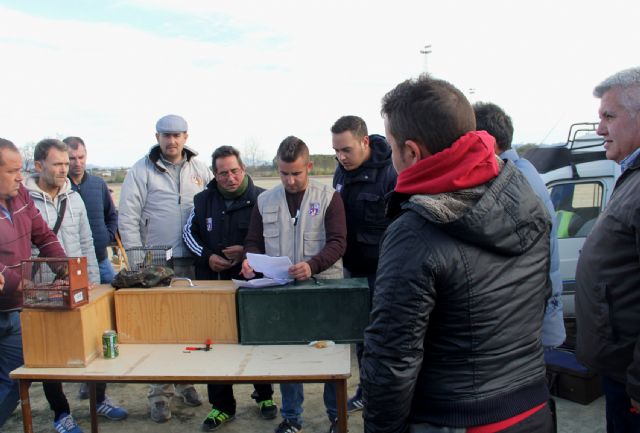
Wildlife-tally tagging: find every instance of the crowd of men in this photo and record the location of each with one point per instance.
(455, 233)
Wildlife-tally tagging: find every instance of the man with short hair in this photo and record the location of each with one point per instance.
(607, 293)
(364, 178)
(65, 213)
(493, 119)
(101, 210)
(215, 233)
(103, 218)
(453, 342)
(21, 225)
(155, 202)
(289, 213)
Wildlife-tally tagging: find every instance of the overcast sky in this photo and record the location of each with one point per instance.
(257, 71)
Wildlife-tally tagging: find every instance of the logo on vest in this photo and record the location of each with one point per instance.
(197, 180)
(209, 224)
(314, 209)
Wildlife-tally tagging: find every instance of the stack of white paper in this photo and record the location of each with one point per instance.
(274, 269)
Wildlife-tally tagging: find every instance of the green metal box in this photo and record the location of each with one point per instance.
(302, 312)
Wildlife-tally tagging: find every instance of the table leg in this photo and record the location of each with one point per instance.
(341, 401)
(92, 407)
(27, 422)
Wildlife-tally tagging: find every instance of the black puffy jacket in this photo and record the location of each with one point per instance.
(212, 226)
(363, 192)
(608, 288)
(454, 336)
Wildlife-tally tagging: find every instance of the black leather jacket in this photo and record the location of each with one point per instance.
(608, 288)
(363, 192)
(454, 336)
(212, 227)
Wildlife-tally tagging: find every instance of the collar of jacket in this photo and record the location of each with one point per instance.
(380, 157)
(154, 155)
(85, 175)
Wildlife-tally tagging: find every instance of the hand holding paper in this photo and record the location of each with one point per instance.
(275, 270)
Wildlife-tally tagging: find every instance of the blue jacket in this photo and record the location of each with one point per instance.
(553, 332)
(103, 218)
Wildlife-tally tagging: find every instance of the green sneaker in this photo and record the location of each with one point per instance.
(215, 419)
(268, 409)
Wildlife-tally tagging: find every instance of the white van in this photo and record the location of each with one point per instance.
(580, 180)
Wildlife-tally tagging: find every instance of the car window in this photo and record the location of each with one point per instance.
(577, 207)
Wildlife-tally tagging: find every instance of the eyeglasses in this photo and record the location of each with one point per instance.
(232, 172)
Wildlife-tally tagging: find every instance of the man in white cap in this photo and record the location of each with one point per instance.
(155, 202)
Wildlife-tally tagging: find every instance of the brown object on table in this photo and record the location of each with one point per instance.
(71, 338)
(188, 315)
(55, 283)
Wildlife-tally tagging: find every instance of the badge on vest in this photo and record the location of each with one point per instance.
(209, 224)
(314, 209)
(339, 187)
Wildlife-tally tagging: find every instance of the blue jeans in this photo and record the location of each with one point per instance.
(620, 419)
(293, 397)
(106, 271)
(10, 359)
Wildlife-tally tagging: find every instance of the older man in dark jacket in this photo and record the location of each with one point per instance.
(608, 272)
(215, 233)
(453, 344)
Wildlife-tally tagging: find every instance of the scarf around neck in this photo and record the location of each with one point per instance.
(235, 194)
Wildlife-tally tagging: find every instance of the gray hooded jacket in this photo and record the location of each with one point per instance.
(154, 206)
(75, 231)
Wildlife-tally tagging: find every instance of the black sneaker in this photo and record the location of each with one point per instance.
(268, 409)
(288, 427)
(216, 419)
(355, 404)
(333, 428)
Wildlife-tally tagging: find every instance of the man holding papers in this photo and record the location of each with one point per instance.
(303, 220)
(214, 233)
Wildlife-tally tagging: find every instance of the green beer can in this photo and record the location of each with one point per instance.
(110, 344)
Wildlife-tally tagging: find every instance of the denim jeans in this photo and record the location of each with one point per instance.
(10, 359)
(293, 397)
(106, 271)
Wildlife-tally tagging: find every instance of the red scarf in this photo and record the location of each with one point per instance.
(469, 162)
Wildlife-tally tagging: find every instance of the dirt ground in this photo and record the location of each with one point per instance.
(185, 418)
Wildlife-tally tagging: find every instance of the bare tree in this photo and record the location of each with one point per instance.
(252, 155)
(26, 151)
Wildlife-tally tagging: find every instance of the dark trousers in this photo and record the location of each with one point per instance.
(58, 401)
(221, 396)
(620, 418)
(371, 280)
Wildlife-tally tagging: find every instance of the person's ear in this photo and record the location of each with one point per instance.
(415, 152)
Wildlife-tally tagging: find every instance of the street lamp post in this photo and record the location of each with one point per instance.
(426, 51)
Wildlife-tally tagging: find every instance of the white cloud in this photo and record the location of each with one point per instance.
(294, 67)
